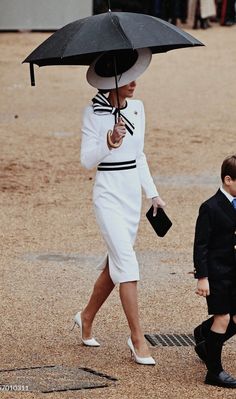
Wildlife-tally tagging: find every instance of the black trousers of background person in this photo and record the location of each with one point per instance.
(182, 10)
(173, 9)
(227, 11)
(169, 11)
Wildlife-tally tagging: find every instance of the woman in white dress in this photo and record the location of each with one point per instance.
(114, 144)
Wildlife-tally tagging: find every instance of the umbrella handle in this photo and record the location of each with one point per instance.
(32, 78)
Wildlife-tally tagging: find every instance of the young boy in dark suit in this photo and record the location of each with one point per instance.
(215, 269)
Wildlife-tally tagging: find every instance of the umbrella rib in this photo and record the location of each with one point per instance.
(65, 46)
(115, 21)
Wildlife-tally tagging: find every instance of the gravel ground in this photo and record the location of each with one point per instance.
(50, 244)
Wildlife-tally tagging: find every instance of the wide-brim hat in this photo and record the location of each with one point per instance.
(130, 64)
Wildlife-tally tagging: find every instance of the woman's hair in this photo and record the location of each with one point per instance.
(103, 91)
(228, 168)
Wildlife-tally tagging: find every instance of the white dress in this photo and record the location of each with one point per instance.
(117, 193)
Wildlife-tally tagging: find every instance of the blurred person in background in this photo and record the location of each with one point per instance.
(123, 5)
(200, 11)
(170, 10)
(99, 6)
(156, 8)
(227, 12)
(182, 10)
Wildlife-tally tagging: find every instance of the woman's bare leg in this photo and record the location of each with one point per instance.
(102, 289)
(129, 300)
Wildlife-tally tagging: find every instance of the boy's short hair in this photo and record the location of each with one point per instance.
(228, 168)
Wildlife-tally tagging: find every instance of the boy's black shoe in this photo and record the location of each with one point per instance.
(222, 379)
(198, 334)
(201, 351)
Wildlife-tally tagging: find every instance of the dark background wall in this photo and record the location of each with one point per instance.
(123, 5)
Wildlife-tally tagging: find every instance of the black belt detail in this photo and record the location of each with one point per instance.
(116, 163)
(119, 168)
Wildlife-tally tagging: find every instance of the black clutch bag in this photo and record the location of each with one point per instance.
(160, 223)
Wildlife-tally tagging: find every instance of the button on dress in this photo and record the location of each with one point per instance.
(117, 193)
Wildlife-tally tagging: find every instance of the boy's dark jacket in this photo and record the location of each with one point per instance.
(214, 252)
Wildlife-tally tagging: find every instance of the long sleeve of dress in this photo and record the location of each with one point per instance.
(94, 146)
(143, 169)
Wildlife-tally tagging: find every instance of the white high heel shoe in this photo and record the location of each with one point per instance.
(86, 342)
(149, 361)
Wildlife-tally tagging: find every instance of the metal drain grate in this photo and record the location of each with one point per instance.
(170, 339)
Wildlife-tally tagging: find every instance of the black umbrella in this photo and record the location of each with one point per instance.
(81, 41)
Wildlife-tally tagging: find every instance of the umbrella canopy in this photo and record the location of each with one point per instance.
(82, 41)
